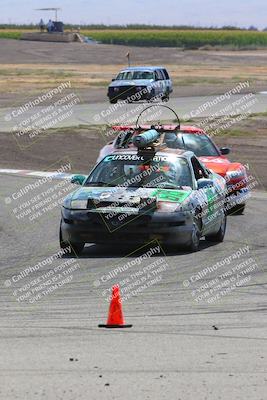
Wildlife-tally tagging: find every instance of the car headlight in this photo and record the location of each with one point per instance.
(67, 203)
(168, 207)
(139, 88)
(116, 89)
(78, 204)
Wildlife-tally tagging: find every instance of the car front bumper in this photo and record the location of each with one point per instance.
(237, 198)
(94, 227)
(132, 93)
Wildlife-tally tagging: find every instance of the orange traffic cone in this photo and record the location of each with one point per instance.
(115, 314)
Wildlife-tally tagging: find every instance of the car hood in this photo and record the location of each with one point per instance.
(133, 82)
(129, 195)
(220, 165)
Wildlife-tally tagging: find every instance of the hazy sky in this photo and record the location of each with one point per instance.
(165, 12)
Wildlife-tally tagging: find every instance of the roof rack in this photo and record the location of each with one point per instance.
(147, 143)
(159, 126)
(125, 137)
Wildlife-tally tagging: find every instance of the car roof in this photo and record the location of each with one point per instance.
(170, 127)
(142, 68)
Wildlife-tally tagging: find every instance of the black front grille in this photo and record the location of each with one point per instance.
(123, 92)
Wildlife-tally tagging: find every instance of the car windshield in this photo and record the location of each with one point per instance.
(132, 170)
(129, 75)
(200, 144)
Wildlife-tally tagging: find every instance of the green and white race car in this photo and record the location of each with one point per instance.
(143, 193)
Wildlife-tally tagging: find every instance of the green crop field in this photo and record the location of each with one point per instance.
(10, 34)
(187, 39)
(181, 38)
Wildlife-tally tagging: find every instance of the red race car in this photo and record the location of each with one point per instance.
(196, 140)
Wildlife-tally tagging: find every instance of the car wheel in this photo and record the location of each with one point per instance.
(238, 209)
(219, 236)
(62, 244)
(73, 248)
(193, 245)
(76, 248)
(113, 101)
(166, 97)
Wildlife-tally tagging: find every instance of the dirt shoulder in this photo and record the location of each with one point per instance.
(33, 67)
(27, 52)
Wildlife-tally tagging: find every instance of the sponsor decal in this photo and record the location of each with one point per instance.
(171, 195)
(132, 157)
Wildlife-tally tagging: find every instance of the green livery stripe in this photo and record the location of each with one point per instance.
(210, 196)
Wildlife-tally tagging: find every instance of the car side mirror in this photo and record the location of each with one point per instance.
(113, 79)
(78, 179)
(224, 151)
(204, 183)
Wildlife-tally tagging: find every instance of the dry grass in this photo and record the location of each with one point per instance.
(15, 78)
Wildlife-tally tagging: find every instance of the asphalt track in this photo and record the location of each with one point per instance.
(105, 113)
(178, 348)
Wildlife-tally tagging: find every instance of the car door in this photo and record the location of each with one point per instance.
(207, 197)
(168, 81)
(159, 82)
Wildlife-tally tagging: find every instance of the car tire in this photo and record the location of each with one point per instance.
(166, 97)
(113, 101)
(193, 245)
(75, 248)
(219, 236)
(238, 209)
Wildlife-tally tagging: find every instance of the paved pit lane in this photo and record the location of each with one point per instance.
(199, 320)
